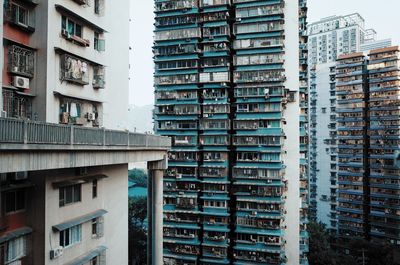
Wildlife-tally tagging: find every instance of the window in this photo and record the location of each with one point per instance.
(70, 194)
(94, 188)
(99, 260)
(323, 110)
(16, 249)
(21, 16)
(99, 7)
(15, 201)
(98, 227)
(71, 236)
(99, 43)
(71, 27)
(20, 61)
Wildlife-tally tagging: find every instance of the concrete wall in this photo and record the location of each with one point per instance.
(115, 57)
(292, 132)
(322, 132)
(1, 56)
(112, 197)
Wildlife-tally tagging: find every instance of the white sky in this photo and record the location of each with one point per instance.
(383, 16)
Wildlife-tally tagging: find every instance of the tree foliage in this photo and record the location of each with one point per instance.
(137, 230)
(139, 176)
(326, 249)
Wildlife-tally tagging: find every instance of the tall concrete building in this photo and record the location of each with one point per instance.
(63, 167)
(330, 38)
(228, 92)
(368, 147)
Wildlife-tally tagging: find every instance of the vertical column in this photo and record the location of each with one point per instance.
(155, 212)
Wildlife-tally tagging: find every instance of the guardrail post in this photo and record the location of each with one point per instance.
(72, 134)
(128, 138)
(104, 136)
(25, 131)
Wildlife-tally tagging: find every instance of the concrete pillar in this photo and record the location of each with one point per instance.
(155, 212)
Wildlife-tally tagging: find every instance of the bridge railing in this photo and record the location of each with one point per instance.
(20, 131)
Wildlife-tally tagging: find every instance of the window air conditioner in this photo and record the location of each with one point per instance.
(55, 253)
(91, 116)
(21, 82)
(21, 175)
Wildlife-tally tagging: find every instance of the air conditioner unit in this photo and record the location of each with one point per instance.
(3, 114)
(91, 116)
(66, 34)
(179, 176)
(21, 82)
(21, 175)
(55, 253)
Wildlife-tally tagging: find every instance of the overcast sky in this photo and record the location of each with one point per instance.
(383, 16)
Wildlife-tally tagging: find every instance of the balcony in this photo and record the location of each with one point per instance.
(21, 61)
(99, 77)
(74, 70)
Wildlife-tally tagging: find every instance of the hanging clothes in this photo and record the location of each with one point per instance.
(74, 110)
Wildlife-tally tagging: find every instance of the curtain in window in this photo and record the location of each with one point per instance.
(16, 249)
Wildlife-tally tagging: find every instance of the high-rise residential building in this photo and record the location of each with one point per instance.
(384, 144)
(228, 92)
(63, 179)
(352, 145)
(329, 38)
(368, 147)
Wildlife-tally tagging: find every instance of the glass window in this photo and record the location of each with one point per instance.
(71, 236)
(16, 249)
(14, 201)
(70, 194)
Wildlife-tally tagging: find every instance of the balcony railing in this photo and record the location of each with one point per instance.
(18, 131)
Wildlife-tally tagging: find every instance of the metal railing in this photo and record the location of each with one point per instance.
(20, 131)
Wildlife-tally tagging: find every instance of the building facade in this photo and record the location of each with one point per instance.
(55, 57)
(368, 147)
(228, 92)
(330, 38)
(67, 203)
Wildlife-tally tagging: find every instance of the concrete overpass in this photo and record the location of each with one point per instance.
(35, 146)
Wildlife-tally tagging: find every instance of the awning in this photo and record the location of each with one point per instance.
(80, 180)
(79, 220)
(59, 94)
(16, 233)
(72, 14)
(62, 51)
(88, 256)
(22, 185)
(24, 94)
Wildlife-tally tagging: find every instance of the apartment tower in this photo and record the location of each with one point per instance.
(63, 175)
(368, 145)
(228, 91)
(330, 38)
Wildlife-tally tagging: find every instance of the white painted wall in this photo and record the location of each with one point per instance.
(292, 132)
(322, 132)
(115, 58)
(112, 197)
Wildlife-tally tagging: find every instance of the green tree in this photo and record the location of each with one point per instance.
(137, 230)
(139, 176)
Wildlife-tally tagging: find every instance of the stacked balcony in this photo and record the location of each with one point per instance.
(177, 110)
(259, 96)
(352, 144)
(215, 124)
(304, 136)
(384, 134)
